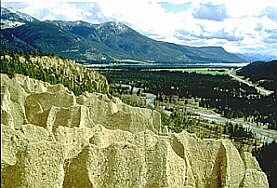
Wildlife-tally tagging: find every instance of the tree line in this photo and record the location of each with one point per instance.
(52, 75)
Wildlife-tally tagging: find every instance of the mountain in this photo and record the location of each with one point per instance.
(52, 39)
(262, 73)
(12, 18)
(255, 57)
(110, 41)
(10, 42)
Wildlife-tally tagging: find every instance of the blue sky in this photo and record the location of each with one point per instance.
(243, 26)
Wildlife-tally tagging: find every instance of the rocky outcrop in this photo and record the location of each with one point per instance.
(51, 138)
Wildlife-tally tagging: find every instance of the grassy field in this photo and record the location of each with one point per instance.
(210, 71)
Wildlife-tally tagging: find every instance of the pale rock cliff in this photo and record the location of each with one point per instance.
(51, 138)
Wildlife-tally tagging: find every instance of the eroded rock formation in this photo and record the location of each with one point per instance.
(51, 138)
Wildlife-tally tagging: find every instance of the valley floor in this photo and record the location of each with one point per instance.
(194, 111)
(204, 114)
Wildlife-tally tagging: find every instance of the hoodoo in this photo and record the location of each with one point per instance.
(52, 138)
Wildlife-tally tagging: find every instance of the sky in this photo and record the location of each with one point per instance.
(240, 26)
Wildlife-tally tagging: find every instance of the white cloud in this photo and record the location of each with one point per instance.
(54, 10)
(211, 12)
(69, 11)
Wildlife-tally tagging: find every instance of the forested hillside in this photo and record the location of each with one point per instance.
(262, 73)
(55, 70)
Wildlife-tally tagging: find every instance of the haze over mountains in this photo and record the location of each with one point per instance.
(110, 41)
(251, 57)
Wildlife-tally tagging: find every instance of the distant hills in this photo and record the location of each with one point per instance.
(110, 41)
(262, 73)
(251, 57)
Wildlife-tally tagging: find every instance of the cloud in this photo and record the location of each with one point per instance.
(222, 35)
(271, 13)
(271, 37)
(170, 7)
(211, 12)
(53, 10)
(15, 5)
(270, 40)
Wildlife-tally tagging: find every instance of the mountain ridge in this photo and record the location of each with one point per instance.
(109, 41)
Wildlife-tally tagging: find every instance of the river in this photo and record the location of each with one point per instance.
(164, 66)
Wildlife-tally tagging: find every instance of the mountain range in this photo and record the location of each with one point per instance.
(251, 57)
(110, 41)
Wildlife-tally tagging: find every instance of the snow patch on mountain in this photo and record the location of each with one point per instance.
(25, 17)
(5, 24)
(117, 27)
(11, 18)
